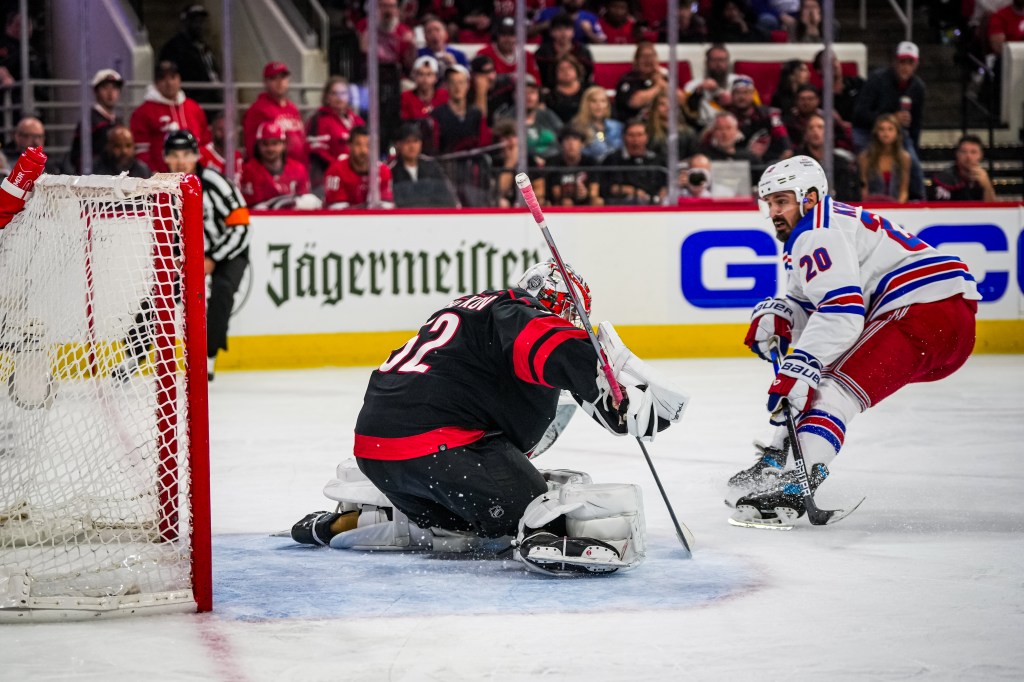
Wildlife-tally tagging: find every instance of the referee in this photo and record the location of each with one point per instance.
(226, 237)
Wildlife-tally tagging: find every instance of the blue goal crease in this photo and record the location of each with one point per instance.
(324, 583)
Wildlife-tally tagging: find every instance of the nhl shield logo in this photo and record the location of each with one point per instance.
(496, 512)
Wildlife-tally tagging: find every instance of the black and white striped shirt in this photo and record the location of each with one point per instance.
(225, 217)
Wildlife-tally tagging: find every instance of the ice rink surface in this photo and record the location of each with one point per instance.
(924, 581)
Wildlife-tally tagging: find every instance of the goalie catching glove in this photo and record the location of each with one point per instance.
(649, 405)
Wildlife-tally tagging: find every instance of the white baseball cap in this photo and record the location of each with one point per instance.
(907, 50)
(107, 76)
(426, 60)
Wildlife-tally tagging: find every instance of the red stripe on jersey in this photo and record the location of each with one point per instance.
(560, 331)
(420, 445)
(825, 423)
(947, 266)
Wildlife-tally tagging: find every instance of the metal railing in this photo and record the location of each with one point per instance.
(906, 16)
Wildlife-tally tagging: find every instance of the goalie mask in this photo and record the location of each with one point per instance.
(544, 282)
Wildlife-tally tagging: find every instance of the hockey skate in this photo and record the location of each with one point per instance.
(780, 505)
(765, 472)
(319, 527)
(563, 556)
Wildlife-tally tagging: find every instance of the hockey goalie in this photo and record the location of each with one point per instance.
(450, 420)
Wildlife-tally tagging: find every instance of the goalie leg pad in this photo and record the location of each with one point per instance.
(598, 517)
(352, 488)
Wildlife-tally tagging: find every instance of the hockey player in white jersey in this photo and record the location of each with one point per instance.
(868, 309)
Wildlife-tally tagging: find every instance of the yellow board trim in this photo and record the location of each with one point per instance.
(357, 349)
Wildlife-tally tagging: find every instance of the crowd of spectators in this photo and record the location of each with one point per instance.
(448, 123)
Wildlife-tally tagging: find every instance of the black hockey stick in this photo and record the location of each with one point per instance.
(816, 515)
(526, 187)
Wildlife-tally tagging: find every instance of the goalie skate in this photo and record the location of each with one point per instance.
(566, 556)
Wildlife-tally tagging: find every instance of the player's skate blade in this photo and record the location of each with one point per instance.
(747, 516)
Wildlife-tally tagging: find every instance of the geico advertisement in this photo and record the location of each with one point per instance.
(322, 272)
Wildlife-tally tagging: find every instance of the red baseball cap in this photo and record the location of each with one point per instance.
(269, 131)
(273, 69)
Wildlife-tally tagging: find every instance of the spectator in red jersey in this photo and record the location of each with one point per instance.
(396, 51)
(106, 86)
(458, 125)
(503, 51)
(426, 96)
(270, 179)
(211, 154)
(328, 129)
(273, 106)
(1006, 25)
(164, 109)
(559, 44)
(619, 25)
(348, 179)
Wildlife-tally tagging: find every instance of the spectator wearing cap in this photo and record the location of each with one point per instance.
(571, 180)
(898, 90)
(489, 91)
(118, 155)
(106, 88)
(435, 35)
(273, 106)
(164, 109)
(418, 102)
(586, 26)
(418, 180)
(193, 55)
(504, 53)
(559, 43)
(347, 183)
(966, 179)
(269, 175)
(763, 132)
(458, 125)
(328, 129)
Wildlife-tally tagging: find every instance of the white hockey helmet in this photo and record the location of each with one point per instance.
(544, 282)
(798, 174)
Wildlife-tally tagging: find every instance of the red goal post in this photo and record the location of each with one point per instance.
(104, 445)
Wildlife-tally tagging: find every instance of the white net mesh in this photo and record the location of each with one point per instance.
(94, 470)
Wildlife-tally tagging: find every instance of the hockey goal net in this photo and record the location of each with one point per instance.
(104, 476)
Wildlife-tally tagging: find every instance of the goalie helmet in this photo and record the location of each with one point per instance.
(798, 174)
(544, 282)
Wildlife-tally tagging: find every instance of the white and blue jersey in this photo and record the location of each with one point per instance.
(846, 266)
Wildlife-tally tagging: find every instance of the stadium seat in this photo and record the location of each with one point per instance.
(608, 74)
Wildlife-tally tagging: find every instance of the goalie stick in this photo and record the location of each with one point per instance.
(526, 187)
(816, 515)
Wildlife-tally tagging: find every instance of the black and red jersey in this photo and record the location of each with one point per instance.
(489, 363)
